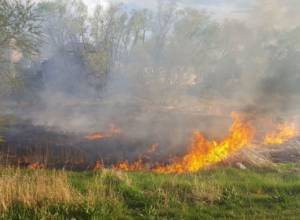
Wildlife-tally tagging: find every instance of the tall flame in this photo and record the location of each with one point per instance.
(204, 152)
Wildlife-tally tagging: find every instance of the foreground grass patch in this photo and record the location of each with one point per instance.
(223, 193)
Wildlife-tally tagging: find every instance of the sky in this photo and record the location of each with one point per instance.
(218, 8)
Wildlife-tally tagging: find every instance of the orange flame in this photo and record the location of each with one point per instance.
(204, 152)
(283, 133)
(98, 166)
(35, 166)
(138, 165)
(135, 166)
(96, 136)
(101, 135)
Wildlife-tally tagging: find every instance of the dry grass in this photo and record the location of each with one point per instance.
(34, 188)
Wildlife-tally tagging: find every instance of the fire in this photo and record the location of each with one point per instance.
(101, 135)
(98, 166)
(205, 152)
(95, 136)
(283, 133)
(138, 165)
(126, 166)
(35, 166)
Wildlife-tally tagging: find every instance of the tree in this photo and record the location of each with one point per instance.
(64, 24)
(110, 34)
(19, 23)
(20, 36)
(139, 25)
(165, 18)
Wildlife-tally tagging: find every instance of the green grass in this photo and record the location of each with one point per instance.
(221, 193)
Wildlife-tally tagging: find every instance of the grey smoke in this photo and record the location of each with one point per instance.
(204, 70)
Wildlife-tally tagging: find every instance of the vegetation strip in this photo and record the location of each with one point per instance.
(223, 193)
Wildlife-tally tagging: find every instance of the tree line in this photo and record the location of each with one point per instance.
(168, 51)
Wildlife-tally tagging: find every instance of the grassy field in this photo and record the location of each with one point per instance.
(221, 193)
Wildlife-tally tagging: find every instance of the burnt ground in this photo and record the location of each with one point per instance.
(25, 144)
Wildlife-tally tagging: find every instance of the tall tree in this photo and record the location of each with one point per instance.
(20, 35)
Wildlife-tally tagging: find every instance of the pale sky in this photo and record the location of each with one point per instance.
(220, 8)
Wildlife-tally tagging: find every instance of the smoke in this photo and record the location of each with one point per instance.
(187, 72)
(276, 24)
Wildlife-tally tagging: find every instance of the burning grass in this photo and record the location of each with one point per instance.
(38, 147)
(102, 135)
(282, 133)
(221, 193)
(203, 152)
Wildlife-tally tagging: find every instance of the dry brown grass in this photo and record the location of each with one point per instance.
(42, 188)
(34, 188)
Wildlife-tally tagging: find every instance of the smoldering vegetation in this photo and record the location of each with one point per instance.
(157, 74)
